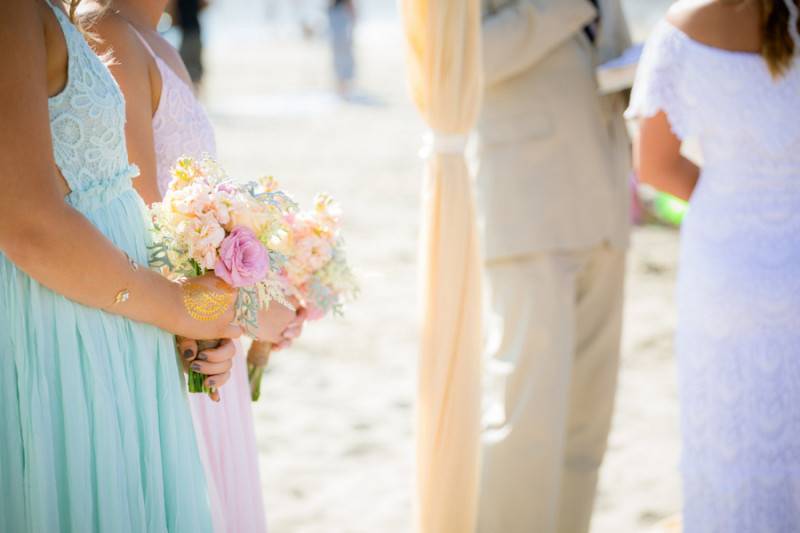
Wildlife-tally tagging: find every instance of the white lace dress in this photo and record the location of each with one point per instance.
(738, 339)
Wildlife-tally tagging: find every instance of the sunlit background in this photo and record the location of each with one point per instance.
(334, 424)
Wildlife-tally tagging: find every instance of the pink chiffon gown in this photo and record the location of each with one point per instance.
(225, 430)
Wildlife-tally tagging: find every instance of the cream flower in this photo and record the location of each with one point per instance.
(202, 237)
(313, 252)
(255, 217)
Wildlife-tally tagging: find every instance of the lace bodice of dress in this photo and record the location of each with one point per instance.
(746, 121)
(180, 124)
(87, 122)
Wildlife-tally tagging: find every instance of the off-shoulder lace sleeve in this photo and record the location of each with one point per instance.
(658, 80)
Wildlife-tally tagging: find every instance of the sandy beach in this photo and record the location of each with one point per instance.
(334, 424)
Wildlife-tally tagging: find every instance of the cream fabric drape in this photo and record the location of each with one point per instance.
(444, 61)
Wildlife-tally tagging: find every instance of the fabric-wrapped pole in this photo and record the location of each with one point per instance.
(445, 80)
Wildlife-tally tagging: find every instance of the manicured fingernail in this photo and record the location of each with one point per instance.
(188, 353)
(211, 382)
(202, 356)
(195, 367)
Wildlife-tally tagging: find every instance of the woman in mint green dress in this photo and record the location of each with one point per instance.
(95, 433)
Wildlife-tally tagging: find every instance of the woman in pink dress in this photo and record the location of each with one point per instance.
(164, 122)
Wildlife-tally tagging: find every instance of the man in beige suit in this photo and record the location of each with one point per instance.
(553, 188)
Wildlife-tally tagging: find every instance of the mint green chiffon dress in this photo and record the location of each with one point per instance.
(95, 430)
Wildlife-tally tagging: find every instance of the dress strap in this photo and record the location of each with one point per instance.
(60, 15)
(67, 27)
(144, 41)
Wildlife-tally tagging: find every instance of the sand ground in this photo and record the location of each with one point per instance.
(334, 424)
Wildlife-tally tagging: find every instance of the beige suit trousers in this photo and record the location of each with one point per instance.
(554, 344)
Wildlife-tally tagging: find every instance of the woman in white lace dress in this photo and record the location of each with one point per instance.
(725, 73)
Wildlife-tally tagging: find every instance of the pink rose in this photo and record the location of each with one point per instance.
(243, 261)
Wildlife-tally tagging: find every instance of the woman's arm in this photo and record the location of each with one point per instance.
(39, 231)
(658, 160)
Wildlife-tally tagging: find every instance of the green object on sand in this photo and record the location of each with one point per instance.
(670, 209)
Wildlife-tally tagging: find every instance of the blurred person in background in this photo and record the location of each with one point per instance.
(191, 47)
(554, 161)
(342, 18)
(727, 74)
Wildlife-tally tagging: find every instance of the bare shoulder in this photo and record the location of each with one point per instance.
(127, 45)
(114, 36)
(726, 24)
(110, 31)
(693, 15)
(127, 58)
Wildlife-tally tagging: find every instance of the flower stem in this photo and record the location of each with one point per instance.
(196, 380)
(255, 373)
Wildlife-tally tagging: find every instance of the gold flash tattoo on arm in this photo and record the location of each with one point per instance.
(204, 304)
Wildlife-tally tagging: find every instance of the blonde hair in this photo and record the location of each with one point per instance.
(72, 7)
(86, 18)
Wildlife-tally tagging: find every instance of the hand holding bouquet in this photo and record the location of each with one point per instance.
(209, 223)
(314, 270)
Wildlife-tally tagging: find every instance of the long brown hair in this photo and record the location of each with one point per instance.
(777, 44)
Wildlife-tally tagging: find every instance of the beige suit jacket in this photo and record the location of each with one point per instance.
(553, 155)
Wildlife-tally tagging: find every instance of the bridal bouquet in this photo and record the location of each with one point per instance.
(314, 268)
(207, 222)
